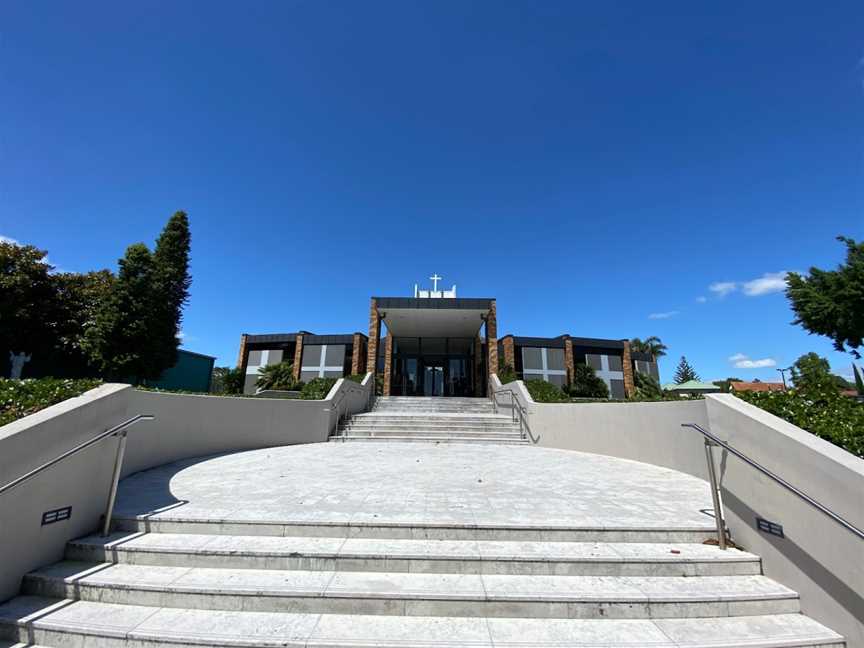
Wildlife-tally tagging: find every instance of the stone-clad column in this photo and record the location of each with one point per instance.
(629, 383)
(358, 357)
(241, 356)
(478, 366)
(298, 356)
(568, 359)
(388, 362)
(492, 339)
(374, 337)
(509, 349)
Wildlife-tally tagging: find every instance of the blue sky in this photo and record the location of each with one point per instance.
(597, 167)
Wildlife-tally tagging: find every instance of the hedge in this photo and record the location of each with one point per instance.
(19, 398)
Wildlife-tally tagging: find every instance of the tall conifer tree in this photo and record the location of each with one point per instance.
(171, 282)
(685, 372)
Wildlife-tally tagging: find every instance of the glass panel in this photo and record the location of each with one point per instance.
(593, 361)
(458, 380)
(332, 374)
(617, 388)
(254, 359)
(311, 355)
(555, 358)
(531, 358)
(614, 363)
(433, 346)
(557, 380)
(654, 370)
(335, 355)
(306, 376)
(433, 380)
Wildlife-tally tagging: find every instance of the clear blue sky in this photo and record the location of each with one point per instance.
(595, 166)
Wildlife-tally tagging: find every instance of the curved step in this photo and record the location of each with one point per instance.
(423, 438)
(412, 594)
(419, 556)
(66, 623)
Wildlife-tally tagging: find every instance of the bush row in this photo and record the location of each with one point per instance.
(18, 398)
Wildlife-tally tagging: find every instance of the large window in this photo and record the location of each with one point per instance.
(543, 363)
(322, 361)
(648, 369)
(255, 360)
(610, 369)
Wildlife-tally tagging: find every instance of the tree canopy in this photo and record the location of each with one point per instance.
(684, 372)
(651, 345)
(831, 302)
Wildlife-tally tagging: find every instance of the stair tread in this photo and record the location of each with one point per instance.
(414, 548)
(225, 628)
(401, 585)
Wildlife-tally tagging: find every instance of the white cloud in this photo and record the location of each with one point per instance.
(666, 315)
(768, 283)
(184, 337)
(723, 288)
(701, 299)
(742, 361)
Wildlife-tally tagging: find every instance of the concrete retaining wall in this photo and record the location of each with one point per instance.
(185, 426)
(818, 558)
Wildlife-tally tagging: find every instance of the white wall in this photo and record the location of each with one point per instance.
(185, 426)
(819, 559)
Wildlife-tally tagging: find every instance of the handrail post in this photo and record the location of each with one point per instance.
(115, 480)
(715, 496)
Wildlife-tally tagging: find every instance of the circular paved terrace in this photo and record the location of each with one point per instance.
(420, 484)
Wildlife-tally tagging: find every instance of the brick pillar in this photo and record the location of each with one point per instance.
(358, 357)
(388, 362)
(629, 384)
(241, 356)
(298, 356)
(509, 352)
(492, 338)
(478, 366)
(569, 364)
(374, 337)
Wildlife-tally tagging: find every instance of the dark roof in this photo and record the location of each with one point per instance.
(339, 338)
(471, 303)
(194, 353)
(598, 343)
(552, 343)
(274, 337)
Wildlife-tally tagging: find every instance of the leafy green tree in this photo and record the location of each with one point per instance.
(651, 345)
(685, 372)
(726, 385)
(120, 341)
(586, 383)
(79, 299)
(811, 373)
(277, 376)
(647, 387)
(26, 292)
(226, 380)
(831, 302)
(171, 282)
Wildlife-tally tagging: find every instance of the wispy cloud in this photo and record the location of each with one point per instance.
(184, 337)
(701, 299)
(742, 361)
(666, 315)
(723, 288)
(768, 283)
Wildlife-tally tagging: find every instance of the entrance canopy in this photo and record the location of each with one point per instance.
(439, 317)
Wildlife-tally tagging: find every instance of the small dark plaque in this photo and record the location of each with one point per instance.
(771, 528)
(57, 515)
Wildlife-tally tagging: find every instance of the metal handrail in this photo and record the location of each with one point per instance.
(118, 463)
(338, 405)
(712, 440)
(517, 412)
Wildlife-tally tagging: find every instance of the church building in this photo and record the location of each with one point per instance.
(438, 344)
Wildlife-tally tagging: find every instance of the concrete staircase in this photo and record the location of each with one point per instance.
(440, 420)
(167, 584)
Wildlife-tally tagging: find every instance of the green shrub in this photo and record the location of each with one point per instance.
(277, 376)
(586, 384)
(544, 392)
(358, 378)
(18, 398)
(507, 374)
(647, 387)
(226, 380)
(822, 411)
(317, 388)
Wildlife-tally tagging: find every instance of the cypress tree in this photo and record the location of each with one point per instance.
(685, 372)
(171, 282)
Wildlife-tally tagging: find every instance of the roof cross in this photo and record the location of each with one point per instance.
(435, 279)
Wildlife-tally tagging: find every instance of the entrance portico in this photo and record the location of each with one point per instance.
(433, 345)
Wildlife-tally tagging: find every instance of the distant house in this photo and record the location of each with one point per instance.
(193, 372)
(756, 386)
(692, 388)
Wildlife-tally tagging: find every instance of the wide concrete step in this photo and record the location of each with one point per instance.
(428, 425)
(444, 419)
(414, 594)
(422, 438)
(68, 624)
(432, 433)
(420, 556)
(204, 523)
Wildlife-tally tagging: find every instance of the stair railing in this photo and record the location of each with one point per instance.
(118, 431)
(338, 405)
(712, 440)
(517, 412)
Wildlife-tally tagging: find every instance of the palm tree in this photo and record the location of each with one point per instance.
(651, 345)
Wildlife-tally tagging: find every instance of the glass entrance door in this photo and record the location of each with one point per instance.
(433, 378)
